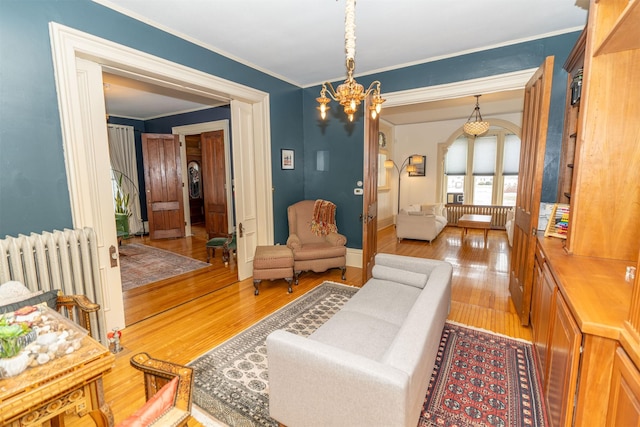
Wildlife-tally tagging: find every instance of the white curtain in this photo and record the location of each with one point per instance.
(122, 150)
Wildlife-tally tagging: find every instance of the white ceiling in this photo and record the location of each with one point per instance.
(302, 41)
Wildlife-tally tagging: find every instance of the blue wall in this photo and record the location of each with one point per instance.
(33, 191)
(34, 195)
(345, 140)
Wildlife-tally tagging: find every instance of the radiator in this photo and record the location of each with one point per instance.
(498, 213)
(62, 260)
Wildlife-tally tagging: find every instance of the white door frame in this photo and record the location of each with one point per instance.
(67, 45)
(197, 128)
(498, 83)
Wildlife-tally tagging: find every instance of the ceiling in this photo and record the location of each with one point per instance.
(302, 42)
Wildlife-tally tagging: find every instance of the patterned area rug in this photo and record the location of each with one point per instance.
(141, 265)
(480, 379)
(483, 379)
(231, 380)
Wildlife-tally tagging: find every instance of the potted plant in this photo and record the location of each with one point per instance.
(122, 210)
(14, 337)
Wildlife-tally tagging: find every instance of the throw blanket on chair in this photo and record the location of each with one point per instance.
(324, 218)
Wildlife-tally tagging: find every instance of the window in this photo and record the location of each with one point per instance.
(484, 169)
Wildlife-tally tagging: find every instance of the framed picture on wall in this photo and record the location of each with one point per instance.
(287, 159)
(420, 167)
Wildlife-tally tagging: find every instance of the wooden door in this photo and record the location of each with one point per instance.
(624, 402)
(370, 199)
(564, 357)
(534, 137)
(163, 180)
(544, 289)
(214, 183)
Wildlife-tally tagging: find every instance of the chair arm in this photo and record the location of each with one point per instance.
(84, 306)
(336, 239)
(293, 241)
(159, 372)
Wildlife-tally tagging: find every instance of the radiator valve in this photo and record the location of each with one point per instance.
(114, 340)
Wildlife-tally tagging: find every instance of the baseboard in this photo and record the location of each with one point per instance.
(354, 257)
(385, 222)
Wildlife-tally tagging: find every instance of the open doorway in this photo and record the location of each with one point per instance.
(82, 111)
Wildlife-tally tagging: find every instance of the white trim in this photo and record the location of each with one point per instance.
(197, 128)
(67, 44)
(483, 85)
(354, 257)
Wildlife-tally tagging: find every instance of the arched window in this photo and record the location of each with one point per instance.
(482, 170)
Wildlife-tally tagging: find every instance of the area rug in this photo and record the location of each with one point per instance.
(141, 265)
(480, 379)
(230, 381)
(483, 379)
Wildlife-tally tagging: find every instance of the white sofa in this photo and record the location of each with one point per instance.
(370, 364)
(421, 222)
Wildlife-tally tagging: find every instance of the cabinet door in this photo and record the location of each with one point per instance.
(541, 314)
(563, 361)
(624, 401)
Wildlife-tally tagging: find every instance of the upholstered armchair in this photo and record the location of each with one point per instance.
(313, 252)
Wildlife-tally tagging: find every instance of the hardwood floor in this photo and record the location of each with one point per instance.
(213, 310)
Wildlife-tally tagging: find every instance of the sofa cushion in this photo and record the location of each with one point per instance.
(357, 333)
(49, 297)
(437, 209)
(405, 277)
(384, 299)
(159, 403)
(13, 291)
(314, 251)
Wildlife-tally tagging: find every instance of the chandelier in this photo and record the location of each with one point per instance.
(477, 126)
(350, 93)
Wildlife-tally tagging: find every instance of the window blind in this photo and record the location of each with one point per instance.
(511, 163)
(484, 155)
(456, 162)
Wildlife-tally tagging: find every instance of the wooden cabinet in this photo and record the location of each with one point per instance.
(574, 66)
(557, 341)
(579, 307)
(596, 382)
(543, 295)
(624, 403)
(605, 203)
(565, 339)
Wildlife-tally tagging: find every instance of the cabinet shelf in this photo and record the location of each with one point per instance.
(625, 33)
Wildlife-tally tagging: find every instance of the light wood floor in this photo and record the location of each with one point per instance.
(212, 308)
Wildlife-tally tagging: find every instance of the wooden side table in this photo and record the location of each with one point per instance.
(72, 383)
(482, 222)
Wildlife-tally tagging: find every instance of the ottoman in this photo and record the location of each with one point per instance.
(271, 263)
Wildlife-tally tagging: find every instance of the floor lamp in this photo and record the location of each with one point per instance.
(409, 163)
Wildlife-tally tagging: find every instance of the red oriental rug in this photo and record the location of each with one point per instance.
(142, 264)
(483, 379)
